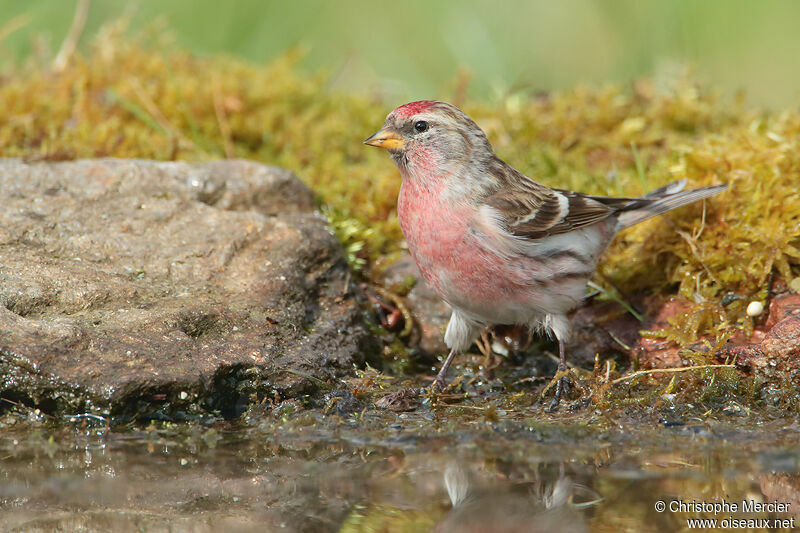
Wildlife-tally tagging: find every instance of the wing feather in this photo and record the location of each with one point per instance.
(534, 211)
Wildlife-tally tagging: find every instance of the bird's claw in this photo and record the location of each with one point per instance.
(562, 389)
(439, 384)
(563, 383)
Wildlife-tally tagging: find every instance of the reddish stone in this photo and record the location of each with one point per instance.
(745, 356)
(655, 352)
(652, 353)
(782, 343)
(780, 308)
(777, 340)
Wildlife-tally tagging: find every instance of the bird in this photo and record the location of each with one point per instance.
(497, 246)
(519, 506)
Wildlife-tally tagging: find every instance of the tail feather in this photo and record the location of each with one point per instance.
(666, 190)
(662, 200)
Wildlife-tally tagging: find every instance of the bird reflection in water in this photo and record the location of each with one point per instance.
(529, 507)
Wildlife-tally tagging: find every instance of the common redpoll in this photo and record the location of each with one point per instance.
(514, 507)
(497, 246)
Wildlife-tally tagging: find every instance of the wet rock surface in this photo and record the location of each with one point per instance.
(130, 287)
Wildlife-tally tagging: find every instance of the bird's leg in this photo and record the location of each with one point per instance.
(562, 387)
(484, 344)
(441, 378)
(561, 379)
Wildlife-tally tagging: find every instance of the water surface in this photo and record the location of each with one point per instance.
(434, 469)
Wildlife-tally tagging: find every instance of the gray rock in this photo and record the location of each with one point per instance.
(130, 286)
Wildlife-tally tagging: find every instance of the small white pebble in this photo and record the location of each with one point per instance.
(755, 309)
(183, 395)
(184, 461)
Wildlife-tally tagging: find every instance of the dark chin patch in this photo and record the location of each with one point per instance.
(400, 157)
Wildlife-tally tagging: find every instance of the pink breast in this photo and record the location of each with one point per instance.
(449, 256)
(431, 229)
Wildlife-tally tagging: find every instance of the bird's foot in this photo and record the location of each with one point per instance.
(562, 389)
(439, 384)
(563, 383)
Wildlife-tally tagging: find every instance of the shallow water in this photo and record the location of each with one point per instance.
(381, 471)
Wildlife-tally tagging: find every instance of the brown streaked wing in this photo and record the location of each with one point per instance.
(533, 211)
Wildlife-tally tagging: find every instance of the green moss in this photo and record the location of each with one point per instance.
(125, 98)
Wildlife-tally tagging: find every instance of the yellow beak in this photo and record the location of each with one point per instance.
(386, 138)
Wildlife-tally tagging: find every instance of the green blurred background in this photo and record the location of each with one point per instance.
(416, 49)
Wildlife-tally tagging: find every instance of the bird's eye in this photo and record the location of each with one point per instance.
(421, 126)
